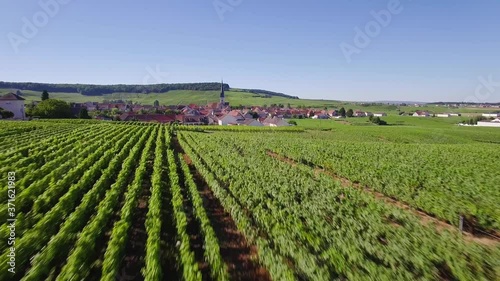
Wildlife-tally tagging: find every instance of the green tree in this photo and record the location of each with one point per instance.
(378, 121)
(292, 122)
(349, 112)
(342, 112)
(116, 111)
(45, 95)
(52, 108)
(83, 114)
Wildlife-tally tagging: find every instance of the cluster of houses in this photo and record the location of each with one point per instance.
(211, 114)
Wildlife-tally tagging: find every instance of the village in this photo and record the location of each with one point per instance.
(219, 113)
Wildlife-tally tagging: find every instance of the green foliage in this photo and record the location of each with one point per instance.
(311, 224)
(45, 95)
(83, 114)
(79, 181)
(99, 90)
(342, 112)
(377, 120)
(52, 108)
(349, 113)
(474, 120)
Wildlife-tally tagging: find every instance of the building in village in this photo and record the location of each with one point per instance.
(15, 104)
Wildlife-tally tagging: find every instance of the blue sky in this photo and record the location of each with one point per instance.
(428, 51)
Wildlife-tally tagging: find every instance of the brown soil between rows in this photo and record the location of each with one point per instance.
(424, 217)
(135, 250)
(239, 257)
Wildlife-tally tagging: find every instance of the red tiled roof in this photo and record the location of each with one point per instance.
(11, 96)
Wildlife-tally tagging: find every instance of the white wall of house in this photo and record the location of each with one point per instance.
(491, 114)
(421, 115)
(15, 106)
(379, 114)
(488, 124)
(226, 120)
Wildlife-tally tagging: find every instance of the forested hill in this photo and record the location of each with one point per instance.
(98, 90)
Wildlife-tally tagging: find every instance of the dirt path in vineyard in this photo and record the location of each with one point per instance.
(236, 253)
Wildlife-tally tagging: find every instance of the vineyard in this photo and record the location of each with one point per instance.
(134, 201)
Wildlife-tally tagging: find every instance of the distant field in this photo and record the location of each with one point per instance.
(392, 120)
(235, 99)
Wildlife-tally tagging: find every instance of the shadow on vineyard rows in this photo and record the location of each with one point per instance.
(471, 230)
(135, 251)
(193, 228)
(235, 251)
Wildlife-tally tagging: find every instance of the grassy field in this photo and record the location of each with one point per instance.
(392, 120)
(401, 129)
(236, 98)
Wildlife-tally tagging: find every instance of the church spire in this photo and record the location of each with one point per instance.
(222, 102)
(222, 89)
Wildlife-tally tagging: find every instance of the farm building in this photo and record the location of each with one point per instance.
(380, 114)
(443, 115)
(421, 114)
(13, 103)
(493, 123)
(491, 114)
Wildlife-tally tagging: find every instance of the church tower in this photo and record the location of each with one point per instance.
(222, 97)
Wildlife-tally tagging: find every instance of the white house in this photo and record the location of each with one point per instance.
(15, 104)
(443, 115)
(227, 120)
(491, 114)
(232, 118)
(358, 113)
(275, 122)
(493, 123)
(380, 114)
(252, 122)
(321, 116)
(421, 114)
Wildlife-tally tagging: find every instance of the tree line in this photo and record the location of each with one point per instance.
(98, 90)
